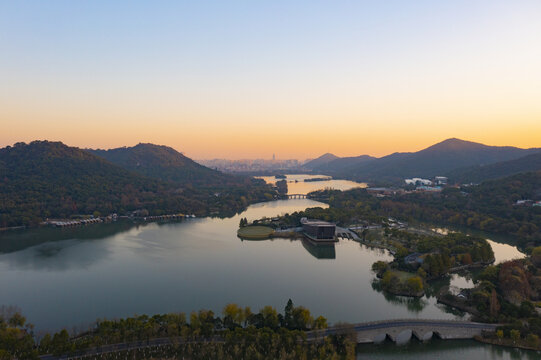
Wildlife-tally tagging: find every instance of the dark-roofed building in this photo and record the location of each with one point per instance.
(318, 231)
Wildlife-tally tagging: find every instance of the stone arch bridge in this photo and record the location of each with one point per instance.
(401, 331)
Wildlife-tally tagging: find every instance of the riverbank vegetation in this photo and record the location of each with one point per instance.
(507, 293)
(238, 333)
(398, 282)
(420, 258)
(490, 206)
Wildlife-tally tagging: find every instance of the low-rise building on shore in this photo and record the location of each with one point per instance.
(319, 231)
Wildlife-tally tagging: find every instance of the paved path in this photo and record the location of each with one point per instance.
(348, 233)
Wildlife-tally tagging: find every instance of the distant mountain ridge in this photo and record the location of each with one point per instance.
(323, 159)
(164, 163)
(343, 164)
(438, 159)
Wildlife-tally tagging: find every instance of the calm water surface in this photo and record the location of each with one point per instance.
(154, 268)
(296, 184)
(71, 277)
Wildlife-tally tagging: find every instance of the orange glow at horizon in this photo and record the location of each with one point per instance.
(287, 141)
(212, 81)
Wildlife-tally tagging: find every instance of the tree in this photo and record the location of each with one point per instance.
(499, 334)
(301, 318)
(494, 304)
(320, 323)
(533, 340)
(247, 313)
(17, 320)
(16, 342)
(233, 315)
(536, 256)
(60, 343)
(515, 335)
(288, 314)
(270, 317)
(379, 267)
(466, 259)
(415, 284)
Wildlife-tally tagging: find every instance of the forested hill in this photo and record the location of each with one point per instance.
(51, 180)
(165, 163)
(438, 159)
(491, 206)
(479, 173)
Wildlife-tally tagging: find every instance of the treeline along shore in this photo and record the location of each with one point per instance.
(48, 180)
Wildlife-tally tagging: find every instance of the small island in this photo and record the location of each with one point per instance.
(421, 258)
(255, 232)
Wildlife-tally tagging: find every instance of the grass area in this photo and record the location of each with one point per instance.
(255, 232)
(403, 275)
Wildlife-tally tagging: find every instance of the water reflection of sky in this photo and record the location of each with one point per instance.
(296, 184)
(504, 252)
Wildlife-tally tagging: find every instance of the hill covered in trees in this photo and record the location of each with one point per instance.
(490, 206)
(165, 163)
(438, 159)
(51, 180)
(480, 173)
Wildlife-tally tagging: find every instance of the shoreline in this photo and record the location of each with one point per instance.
(505, 344)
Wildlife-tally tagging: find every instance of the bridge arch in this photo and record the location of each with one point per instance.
(423, 336)
(379, 338)
(403, 336)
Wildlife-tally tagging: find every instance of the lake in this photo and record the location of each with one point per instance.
(297, 185)
(71, 277)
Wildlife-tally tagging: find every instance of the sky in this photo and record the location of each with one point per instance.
(246, 79)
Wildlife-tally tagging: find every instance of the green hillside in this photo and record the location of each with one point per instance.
(51, 180)
(479, 173)
(165, 163)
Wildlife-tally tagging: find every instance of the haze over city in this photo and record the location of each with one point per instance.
(246, 80)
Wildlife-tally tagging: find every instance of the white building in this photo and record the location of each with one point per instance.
(440, 180)
(418, 181)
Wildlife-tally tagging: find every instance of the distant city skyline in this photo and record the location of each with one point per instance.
(248, 79)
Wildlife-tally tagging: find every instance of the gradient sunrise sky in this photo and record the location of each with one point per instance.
(246, 79)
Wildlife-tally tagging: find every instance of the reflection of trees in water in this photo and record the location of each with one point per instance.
(375, 250)
(412, 304)
(57, 249)
(433, 288)
(20, 240)
(416, 305)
